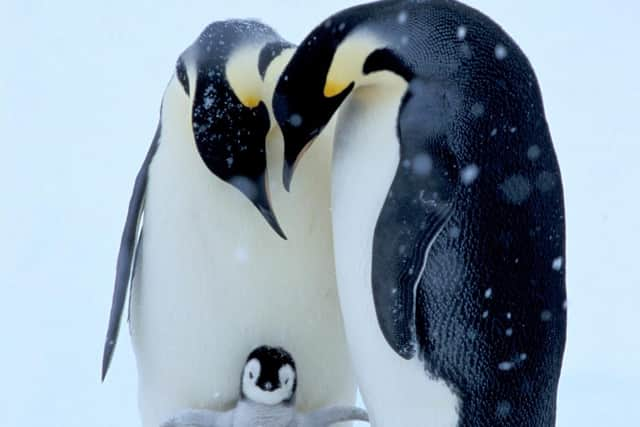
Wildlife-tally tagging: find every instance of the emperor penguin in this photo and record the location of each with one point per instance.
(448, 216)
(213, 275)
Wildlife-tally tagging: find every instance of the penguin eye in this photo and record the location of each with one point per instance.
(286, 381)
(250, 375)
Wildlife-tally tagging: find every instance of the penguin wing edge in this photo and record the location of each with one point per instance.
(419, 204)
(127, 254)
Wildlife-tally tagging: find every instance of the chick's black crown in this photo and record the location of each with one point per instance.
(271, 360)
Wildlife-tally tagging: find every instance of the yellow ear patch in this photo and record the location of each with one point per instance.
(250, 101)
(348, 61)
(242, 74)
(333, 88)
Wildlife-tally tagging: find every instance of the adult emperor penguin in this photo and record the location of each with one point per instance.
(448, 212)
(213, 276)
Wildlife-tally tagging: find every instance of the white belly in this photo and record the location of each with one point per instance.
(396, 392)
(213, 281)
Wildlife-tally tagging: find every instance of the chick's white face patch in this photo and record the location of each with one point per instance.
(250, 375)
(277, 394)
(287, 379)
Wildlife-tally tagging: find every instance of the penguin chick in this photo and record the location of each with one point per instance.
(267, 397)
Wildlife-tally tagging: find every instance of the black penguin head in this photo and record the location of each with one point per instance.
(336, 56)
(222, 72)
(269, 376)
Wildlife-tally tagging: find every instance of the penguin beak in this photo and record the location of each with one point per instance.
(299, 130)
(267, 213)
(262, 201)
(294, 149)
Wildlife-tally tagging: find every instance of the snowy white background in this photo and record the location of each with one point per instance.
(80, 87)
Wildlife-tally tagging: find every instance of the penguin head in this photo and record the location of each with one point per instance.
(352, 48)
(269, 376)
(222, 74)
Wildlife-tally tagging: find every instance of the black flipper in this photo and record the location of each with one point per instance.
(127, 254)
(419, 203)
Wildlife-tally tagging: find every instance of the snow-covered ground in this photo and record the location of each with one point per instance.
(80, 86)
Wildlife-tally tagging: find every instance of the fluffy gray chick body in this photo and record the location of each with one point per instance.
(252, 414)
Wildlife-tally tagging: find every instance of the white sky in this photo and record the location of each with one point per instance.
(80, 87)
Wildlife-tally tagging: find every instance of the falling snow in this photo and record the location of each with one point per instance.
(295, 120)
(241, 255)
(462, 32)
(557, 263)
(506, 366)
(533, 153)
(454, 232)
(546, 181)
(402, 17)
(422, 164)
(501, 52)
(477, 110)
(488, 293)
(516, 189)
(546, 316)
(208, 102)
(469, 174)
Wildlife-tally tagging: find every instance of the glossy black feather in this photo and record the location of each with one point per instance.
(127, 253)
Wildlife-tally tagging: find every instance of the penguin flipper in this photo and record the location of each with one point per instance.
(334, 414)
(199, 418)
(127, 254)
(419, 203)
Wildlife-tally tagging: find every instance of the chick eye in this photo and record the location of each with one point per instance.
(286, 381)
(250, 375)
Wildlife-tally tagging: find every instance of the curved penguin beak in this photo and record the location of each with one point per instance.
(287, 174)
(300, 130)
(262, 201)
(269, 215)
(293, 150)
